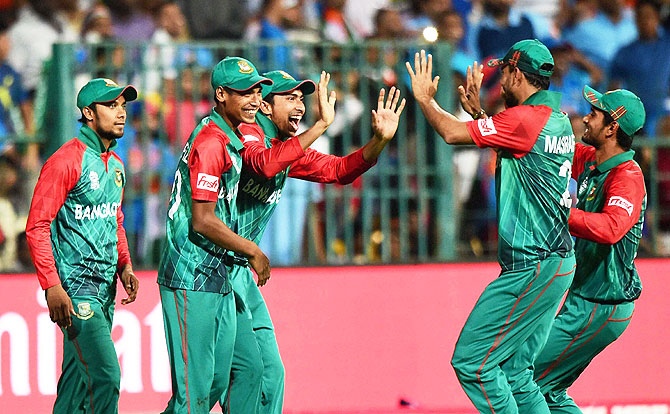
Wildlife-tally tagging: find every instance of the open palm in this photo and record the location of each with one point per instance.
(385, 119)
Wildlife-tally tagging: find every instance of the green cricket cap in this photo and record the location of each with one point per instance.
(530, 56)
(237, 74)
(103, 90)
(622, 105)
(282, 82)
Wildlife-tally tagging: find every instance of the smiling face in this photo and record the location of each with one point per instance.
(237, 107)
(108, 119)
(287, 111)
(594, 122)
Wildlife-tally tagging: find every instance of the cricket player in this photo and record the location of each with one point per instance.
(198, 306)
(272, 153)
(78, 246)
(607, 224)
(535, 145)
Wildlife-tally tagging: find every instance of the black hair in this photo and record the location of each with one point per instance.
(538, 81)
(270, 98)
(624, 140)
(654, 4)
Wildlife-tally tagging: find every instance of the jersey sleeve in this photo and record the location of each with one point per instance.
(515, 129)
(583, 153)
(623, 194)
(122, 241)
(267, 162)
(58, 177)
(323, 168)
(208, 160)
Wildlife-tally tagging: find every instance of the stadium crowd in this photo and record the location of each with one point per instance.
(603, 43)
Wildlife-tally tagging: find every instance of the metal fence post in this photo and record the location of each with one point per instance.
(58, 125)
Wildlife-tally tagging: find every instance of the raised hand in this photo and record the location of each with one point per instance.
(424, 86)
(326, 101)
(469, 94)
(385, 118)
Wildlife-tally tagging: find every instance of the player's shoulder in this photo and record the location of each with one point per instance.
(251, 134)
(70, 153)
(117, 158)
(629, 170)
(210, 135)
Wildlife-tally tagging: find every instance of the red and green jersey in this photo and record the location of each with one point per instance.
(268, 162)
(208, 170)
(535, 146)
(608, 224)
(75, 226)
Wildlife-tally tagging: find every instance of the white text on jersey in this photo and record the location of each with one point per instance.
(559, 145)
(103, 210)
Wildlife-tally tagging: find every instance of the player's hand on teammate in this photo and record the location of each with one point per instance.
(130, 283)
(424, 86)
(385, 119)
(469, 94)
(326, 100)
(261, 265)
(60, 306)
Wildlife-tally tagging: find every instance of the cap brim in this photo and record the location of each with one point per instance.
(306, 87)
(593, 97)
(129, 92)
(246, 84)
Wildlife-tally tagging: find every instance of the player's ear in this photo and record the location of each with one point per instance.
(220, 94)
(266, 108)
(87, 112)
(612, 129)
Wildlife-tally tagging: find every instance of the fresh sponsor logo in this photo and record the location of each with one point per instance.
(99, 211)
(621, 202)
(559, 145)
(486, 126)
(95, 180)
(207, 182)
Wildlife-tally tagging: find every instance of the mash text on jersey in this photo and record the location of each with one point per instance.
(559, 145)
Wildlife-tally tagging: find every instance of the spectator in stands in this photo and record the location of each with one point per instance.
(572, 70)
(361, 15)
(450, 29)
(129, 22)
(600, 37)
(215, 19)
(10, 225)
(649, 76)
(97, 25)
(38, 27)
(15, 108)
(335, 26)
(424, 13)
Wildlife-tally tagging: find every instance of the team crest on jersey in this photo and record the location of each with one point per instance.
(84, 310)
(118, 177)
(110, 83)
(592, 194)
(95, 180)
(244, 67)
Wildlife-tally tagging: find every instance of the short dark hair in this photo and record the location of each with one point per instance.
(624, 140)
(539, 81)
(270, 98)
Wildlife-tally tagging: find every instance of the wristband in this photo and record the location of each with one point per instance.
(480, 114)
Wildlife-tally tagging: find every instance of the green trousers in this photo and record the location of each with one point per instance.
(91, 377)
(257, 383)
(493, 368)
(581, 331)
(200, 333)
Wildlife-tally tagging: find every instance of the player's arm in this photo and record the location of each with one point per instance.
(210, 159)
(58, 177)
(624, 195)
(319, 167)
(424, 88)
(124, 266)
(268, 162)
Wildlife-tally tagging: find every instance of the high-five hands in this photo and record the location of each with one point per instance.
(326, 101)
(385, 119)
(469, 94)
(424, 86)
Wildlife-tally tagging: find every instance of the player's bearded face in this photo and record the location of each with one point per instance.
(287, 111)
(242, 106)
(594, 122)
(506, 86)
(109, 119)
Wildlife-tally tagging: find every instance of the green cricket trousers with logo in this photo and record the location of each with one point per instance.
(200, 333)
(256, 360)
(91, 376)
(581, 331)
(493, 369)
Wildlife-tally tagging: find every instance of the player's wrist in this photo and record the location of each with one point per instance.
(481, 113)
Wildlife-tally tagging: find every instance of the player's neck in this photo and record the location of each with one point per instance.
(605, 152)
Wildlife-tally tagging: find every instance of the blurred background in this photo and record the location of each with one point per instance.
(423, 202)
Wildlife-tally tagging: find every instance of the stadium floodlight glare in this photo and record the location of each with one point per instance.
(430, 34)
